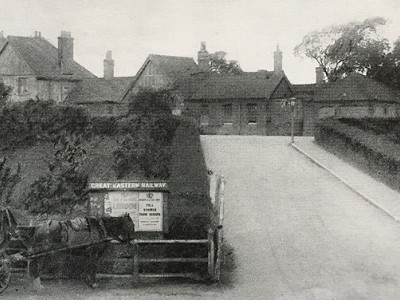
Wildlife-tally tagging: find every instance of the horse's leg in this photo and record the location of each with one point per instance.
(34, 272)
(91, 267)
(94, 253)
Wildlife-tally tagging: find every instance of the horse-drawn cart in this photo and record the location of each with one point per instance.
(88, 235)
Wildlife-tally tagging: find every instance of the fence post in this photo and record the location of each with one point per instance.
(217, 268)
(211, 253)
(135, 261)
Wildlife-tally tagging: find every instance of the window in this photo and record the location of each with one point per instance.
(204, 114)
(227, 113)
(22, 85)
(251, 113)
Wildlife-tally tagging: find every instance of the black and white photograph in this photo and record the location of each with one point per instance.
(200, 149)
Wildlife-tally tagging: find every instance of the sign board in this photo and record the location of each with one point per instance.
(144, 201)
(150, 211)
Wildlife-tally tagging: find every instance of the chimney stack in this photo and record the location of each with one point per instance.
(319, 75)
(65, 52)
(203, 57)
(108, 66)
(278, 60)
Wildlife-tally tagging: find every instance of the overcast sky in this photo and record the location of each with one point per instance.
(247, 30)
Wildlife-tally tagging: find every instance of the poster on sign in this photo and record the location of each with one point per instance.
(150, 211)
(117, 203)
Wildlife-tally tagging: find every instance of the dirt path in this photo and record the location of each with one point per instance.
(297, 232)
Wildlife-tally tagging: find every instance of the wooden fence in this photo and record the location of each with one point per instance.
(214, 242)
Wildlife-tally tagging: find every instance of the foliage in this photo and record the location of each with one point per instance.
(219, 64)
(34, 120)
(4, 93)
(104, 126)
(374, 153)
(189, 208)
(65, 185)
(387, 70)
(149, 129)
(342, 49)
(8, 181)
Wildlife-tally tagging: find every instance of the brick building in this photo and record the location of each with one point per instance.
(355, 96)
(245, 103)
(34, 68)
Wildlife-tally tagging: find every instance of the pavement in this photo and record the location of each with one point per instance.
(373, 191)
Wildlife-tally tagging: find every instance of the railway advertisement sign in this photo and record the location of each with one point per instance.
(145, 202)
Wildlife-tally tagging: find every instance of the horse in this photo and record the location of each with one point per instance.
(86, 236)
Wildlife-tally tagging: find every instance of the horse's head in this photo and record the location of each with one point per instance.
(120, 228)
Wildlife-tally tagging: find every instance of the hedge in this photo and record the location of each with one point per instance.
(375, 153)
(189, 202)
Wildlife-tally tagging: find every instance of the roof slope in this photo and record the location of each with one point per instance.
(42, 57)
(174, 67)
(99, 90)
(247, 85)
(356, 87)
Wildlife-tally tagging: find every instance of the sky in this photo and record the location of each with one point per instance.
(248, 30)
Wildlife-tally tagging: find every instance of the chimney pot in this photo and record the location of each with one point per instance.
(278, 60)
(203, 57)
(108, 65)
(65, 52)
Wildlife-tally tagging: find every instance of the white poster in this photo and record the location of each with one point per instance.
(150, 211)
(120, 202)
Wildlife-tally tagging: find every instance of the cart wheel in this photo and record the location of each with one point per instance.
(5, 272)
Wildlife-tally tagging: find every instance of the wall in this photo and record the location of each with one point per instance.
(272, 119)
(151, 76)
(355, 109)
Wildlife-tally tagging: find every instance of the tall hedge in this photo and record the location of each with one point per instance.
(375, 153)
(189, 202)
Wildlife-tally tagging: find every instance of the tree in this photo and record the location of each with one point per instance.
(149, 129)
(388, 69)
(219, 64)
(65, 185)
(343, 49)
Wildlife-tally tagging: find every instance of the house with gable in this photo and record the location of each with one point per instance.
(245, 103)
(35, 69)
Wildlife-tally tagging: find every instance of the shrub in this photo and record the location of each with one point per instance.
(34, 120)
(375, 153)
(65, 184)
(149, 129)
(189, 208)
(104, 126)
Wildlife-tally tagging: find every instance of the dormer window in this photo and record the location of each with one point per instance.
(22, 85)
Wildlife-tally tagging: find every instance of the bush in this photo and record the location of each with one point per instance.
(149, 129)
(376, 154)
(104, 126)
(189, 208)
(65, 185)
(30, 121)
